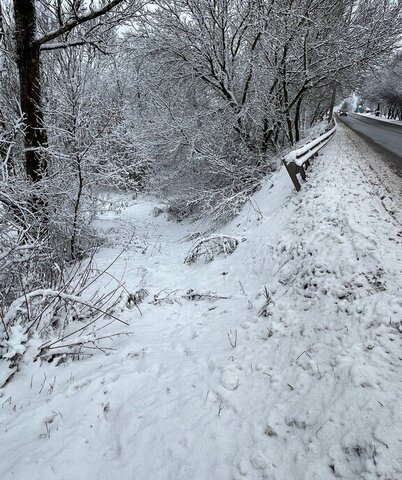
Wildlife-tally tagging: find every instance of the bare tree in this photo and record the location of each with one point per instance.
(223, 85)
(28, 49)
(382, 89)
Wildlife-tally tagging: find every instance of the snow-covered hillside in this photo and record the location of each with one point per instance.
(280, 361)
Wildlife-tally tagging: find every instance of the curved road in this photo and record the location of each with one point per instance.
(384, 137)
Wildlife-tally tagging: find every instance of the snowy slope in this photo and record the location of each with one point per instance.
(209, 389)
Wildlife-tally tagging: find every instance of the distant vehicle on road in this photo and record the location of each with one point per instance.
(343, 113)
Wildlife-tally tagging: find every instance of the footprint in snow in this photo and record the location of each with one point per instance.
(230, 380)
(258, 460)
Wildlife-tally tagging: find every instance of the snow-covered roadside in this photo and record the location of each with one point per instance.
(380, 119)
(212, 390)
(385, 182)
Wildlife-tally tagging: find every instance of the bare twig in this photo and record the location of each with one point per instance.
(232, 336)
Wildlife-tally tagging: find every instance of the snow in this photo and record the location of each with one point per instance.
(380, 119)
(210, 389)
(302, 154)
(15, 342)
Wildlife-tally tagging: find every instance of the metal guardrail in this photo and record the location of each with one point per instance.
(297, 161)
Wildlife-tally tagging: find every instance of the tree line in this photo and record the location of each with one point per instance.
(382, 89)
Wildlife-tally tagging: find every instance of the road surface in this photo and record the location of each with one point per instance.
(385, 138)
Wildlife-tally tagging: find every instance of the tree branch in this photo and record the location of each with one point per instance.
(67, 27)
(73, 43)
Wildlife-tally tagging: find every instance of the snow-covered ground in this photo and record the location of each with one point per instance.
(208, 388)
(381, 119)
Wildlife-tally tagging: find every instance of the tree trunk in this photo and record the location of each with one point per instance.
(28, 64)
(297, 119)
(266, 134)
(332, 104)
(286, 107)
(315, 114)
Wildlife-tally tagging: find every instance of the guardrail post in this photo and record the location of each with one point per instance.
(292, 171)
(302, 172)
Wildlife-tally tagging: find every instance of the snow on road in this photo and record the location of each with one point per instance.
(209, 389)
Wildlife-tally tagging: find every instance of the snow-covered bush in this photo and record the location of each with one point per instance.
(208, 248)
(62, 320)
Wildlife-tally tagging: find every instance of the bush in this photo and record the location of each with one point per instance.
(208, 248)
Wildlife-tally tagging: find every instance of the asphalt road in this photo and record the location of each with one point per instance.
(385, 138)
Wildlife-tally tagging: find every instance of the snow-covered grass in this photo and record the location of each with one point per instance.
(280, 361)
